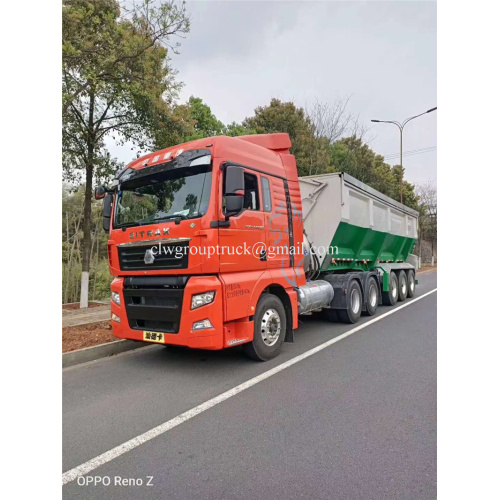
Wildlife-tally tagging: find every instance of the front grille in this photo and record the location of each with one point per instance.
(167, 256)
(154, 302)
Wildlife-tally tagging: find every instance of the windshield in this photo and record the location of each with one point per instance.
(180, 193)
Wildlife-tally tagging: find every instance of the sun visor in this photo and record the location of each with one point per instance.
(197, 159)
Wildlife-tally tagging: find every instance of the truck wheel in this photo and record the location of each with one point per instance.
(354, 297)
(269, 329)
(402, 286)
(411, 283)
(371, 296)
(391, 297)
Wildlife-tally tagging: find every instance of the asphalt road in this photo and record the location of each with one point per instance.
(356, 420)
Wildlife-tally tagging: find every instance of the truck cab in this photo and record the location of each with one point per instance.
(190, 228)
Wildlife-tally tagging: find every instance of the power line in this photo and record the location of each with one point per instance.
(411, 152)
(415, 150)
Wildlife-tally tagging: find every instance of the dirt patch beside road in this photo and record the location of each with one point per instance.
(78, 337)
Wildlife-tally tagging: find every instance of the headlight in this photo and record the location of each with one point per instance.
(202, 325)
(202, 299)
(116, 318)
(115, 297)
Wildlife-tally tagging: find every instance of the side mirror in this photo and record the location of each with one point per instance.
(99, 192)
(234, 190)
(234, 204)
(234, 181)
(106, 212)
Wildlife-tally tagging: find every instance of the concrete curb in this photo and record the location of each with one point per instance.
(98, 315)
(427, 270)
(99, 351)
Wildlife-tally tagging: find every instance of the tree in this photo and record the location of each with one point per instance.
(199, 122)
(235, 129)
(72, 215)
(427, 223)
(95, 46)
(172, 129)
(204, 121)
(313, 131)
(116, 81)
(352, 155)
(332, 120)
(319, 146)
(286, 117)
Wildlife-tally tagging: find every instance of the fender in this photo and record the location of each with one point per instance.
(340, 284)
(243, 308)
(239, 291)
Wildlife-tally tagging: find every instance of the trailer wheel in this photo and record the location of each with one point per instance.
(391, 297)
(371, 296)
(269, 329)
(354, 301)
(411, 283)
(402, 286)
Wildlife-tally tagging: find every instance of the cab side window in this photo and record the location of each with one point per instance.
(266, 194)
(251, 197)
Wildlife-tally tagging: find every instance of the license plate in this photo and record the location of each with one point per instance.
(153, 337)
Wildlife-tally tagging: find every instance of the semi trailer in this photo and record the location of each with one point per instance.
(217, 242)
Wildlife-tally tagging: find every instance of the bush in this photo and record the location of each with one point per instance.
(99, 281)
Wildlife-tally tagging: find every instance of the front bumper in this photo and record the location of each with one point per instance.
(210, 338)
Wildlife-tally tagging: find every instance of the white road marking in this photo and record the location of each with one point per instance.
(106, 457)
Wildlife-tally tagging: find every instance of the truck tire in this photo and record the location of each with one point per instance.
(391, 297)
(411, 283)
(371, 296)
(354, 301)
(402, 286)
(269, 329)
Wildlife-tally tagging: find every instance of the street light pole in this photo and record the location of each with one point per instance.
(401, 127)
(433, 215)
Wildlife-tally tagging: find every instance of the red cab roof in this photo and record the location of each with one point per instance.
(261, 148)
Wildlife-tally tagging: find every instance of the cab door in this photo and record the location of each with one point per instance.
(242, 238)
(275, 221)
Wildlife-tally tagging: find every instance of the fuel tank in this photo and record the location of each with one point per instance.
(314, 295)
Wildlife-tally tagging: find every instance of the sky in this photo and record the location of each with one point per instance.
(382, 55)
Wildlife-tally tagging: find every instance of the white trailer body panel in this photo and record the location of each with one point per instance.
(329, 199)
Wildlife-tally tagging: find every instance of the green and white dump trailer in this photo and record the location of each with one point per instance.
(358, 242)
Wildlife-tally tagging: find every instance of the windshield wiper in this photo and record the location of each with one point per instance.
(126, 224)
(176, 217)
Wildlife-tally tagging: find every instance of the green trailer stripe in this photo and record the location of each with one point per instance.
(365, 246)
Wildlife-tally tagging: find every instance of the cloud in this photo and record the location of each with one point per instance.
(240, 54)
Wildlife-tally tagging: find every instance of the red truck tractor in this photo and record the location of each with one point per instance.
(216, 243)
